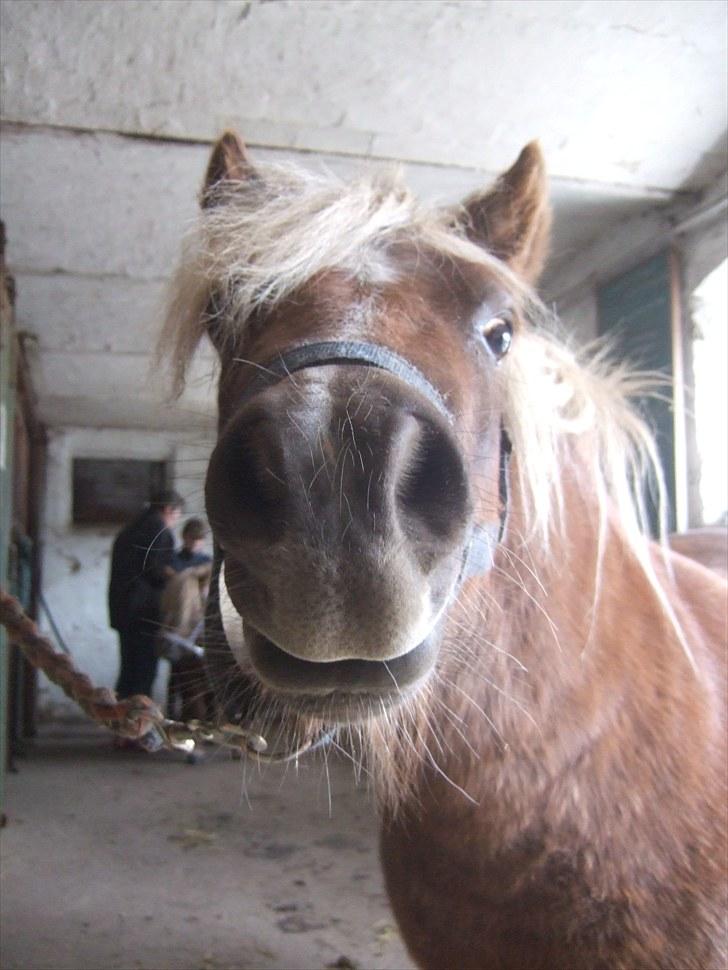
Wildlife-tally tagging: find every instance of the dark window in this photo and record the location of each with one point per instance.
(113, 490)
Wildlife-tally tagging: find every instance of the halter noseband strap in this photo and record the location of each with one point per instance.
(345, 352)
(480, 549)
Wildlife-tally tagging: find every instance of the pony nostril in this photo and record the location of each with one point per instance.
(254, 483)
(246, 486)
(431, 489)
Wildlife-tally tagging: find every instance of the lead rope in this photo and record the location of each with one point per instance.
(137, 717)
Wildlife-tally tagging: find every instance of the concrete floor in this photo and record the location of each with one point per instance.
(126, 861)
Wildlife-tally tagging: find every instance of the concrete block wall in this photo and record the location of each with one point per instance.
(450, 83)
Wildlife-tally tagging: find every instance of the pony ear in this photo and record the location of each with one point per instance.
(512, 219)
(229, 162)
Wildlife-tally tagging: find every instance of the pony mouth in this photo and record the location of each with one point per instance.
(340, 689)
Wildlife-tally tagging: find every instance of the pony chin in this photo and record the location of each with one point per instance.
(383, 735)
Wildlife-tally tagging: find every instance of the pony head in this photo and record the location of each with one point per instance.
(376, 359)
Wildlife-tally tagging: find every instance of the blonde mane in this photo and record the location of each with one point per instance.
(558, 400)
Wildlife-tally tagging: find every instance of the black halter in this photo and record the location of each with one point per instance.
(480, 549)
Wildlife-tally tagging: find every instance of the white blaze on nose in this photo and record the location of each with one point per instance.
(422, 627)
(232, 622)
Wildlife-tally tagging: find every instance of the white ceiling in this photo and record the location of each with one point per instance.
(108, 109)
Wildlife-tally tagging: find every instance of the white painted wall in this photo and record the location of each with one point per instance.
(454, 83)
(76, 559)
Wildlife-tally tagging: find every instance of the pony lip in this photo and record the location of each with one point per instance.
(353, 679)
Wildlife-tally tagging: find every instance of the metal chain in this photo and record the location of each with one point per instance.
(136, 717)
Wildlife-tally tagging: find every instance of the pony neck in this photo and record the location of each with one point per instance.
(542, 652)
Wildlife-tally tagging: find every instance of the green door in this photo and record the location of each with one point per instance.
(636, 311)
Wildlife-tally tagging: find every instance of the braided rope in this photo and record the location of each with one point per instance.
(136, 717)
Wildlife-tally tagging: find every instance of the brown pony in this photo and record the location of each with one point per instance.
(427, 517)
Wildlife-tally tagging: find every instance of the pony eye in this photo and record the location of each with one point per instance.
(498, 334)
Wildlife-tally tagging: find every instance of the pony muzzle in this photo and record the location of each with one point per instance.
(344, 510)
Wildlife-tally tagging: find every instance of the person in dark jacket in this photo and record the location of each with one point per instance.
(141, 563)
